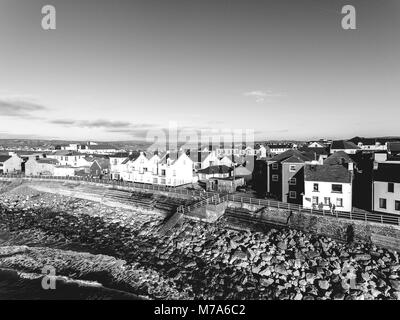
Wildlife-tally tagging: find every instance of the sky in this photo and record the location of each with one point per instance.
(113, 70)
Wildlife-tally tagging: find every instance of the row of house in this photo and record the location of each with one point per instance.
(336, 177)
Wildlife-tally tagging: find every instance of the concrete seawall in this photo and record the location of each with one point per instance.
(387, 236)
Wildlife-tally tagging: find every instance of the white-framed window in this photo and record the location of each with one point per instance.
(275, 177)
(382, 203)
(315, 200)
(397, 205)
(339, 202)
(292, 181)
(316, 187)
(292, 194)
(391, 187)
(274, 166)
(327, 201)
(292, 168)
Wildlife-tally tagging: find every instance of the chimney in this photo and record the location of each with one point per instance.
(199, 152)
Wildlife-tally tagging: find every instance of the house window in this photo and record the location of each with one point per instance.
(315, 200)
(390, 187)
(66, 158)
(155, 180)
(292, 194)
(292, 181)
(275, 166)
(339, 202)
(337, 188)
(327, 201)
(315, 187)
(145, 169)
(274, 177)
(292, 168)
(163, 173)
(382, 203)
(115, 162)
(397, 205)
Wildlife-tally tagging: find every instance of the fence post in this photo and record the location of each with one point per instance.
(381, 219)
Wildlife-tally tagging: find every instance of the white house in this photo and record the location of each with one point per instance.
(95, 148)
(70, 158)
(10, 163)
(175, 170)
(316, 144)
(170, 170)
(386, 187)
(327, 187)
(42, 166)
(278, 148)
(118, 163)
(213, 159)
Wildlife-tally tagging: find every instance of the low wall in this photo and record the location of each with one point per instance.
(387, 236)
(103, 185)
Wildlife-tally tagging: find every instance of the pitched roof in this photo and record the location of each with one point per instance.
(103, 163)
(47, 160)
(339, 157)
(4, 158)
(327, 173)
(317, 150)
(394, 147)
(215, 169)
(342, 144)
(293, 159)
(387, 172)
(289, 153)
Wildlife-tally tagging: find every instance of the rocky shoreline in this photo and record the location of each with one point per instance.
(196, 261)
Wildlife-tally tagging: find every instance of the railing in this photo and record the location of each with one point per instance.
(128, 184)
(355, 214)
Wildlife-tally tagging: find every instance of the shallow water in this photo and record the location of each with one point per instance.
(13, 286)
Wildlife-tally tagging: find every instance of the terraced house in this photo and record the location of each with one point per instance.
(386, 187)
(286, 176)
(170, 169)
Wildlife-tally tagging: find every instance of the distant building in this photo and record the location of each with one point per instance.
(278, 148)
(70, 158)
(386, 187)
(316, 144)
(345, 146)
(369, 144)
(95, 148)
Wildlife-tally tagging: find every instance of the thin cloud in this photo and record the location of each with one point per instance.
(92, 123)
(19, 107)
(262, 96)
